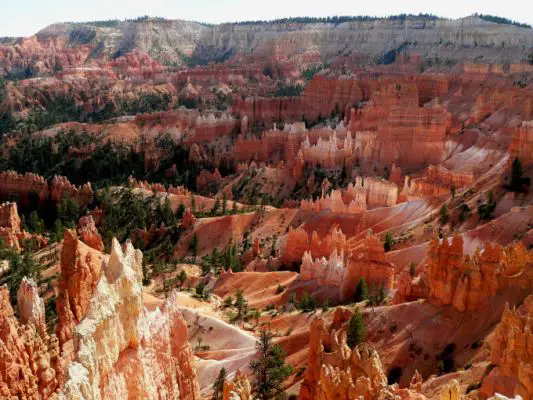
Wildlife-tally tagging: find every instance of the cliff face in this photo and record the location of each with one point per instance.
(10, 230)
(369, 263)
(298, 241)
(467, 282)
(21, 187)
(522, 145)
(141, 354)
(69, 45)
(80, 272)
(28, 356)
(512, 353)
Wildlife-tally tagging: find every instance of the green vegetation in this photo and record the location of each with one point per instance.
(501, 20)
(486, 210)
(288, 90)
(312, 70)
(361, 292)
(307, 303)
(389, 242)
(269, 369)
(446, 363)
(356, 330)
(218, 384)
(519, 183)
(336, 20)
(443, 215)
(20, 266)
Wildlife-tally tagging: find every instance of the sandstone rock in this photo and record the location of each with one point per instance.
(26, 352)
(31, 306)
(467, 282)
(368, 262)
(89, 234)
(522, 144)
(237, 389)
(80, 272)
(141, 353)
(512, 351)
(298, 241)
(334, 371)
(188, 219)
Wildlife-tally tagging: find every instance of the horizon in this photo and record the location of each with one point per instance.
(26, 21)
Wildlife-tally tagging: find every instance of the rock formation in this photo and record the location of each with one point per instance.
(21, 187)
(28, 356)
(140, 353)
(467, 282)
(367, 262)
(437, 181)
(298, 241)
(334, 371)
(522, 144)
(512, 353)
(237, 389)
(326, 272)
(89, 234)
(10, 231)
(80, 272)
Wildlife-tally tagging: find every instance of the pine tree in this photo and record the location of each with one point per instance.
(180, 211)
(389, 242)
(356, 330)
(269, 369)
(218, 385)
(182, 277)
(224, 203)
(361, 292)
(516, 176)
(194, 245)
(443, 214)
(240, 302)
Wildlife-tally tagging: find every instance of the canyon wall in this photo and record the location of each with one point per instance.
(367, 262)
(298, 241)
(522, 144)
(28, 356)
(467, 282)
(20, 187)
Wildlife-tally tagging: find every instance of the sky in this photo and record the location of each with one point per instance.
(27, 17)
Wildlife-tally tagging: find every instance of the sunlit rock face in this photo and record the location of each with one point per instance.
(28, 356)
(237, 389)
(467, 282)
(512, 353)
(140, 353)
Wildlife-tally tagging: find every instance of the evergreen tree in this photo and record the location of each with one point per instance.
(269, 369)
(443, 214)
(240, 303)
(516, 176)
(361, 292)
(224, 203)
(194, 245)
(182, 277)
(356, 330)
(35, 223)
(216, 207)
(218, 385)
(389, 242)
(180, 211)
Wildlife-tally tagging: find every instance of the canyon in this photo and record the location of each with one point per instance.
(352, 193)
